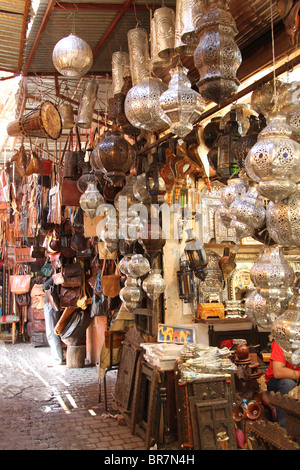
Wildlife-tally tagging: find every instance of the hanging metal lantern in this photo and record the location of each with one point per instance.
(164, 18)
(154, 285)
(275, 160)
(185, 11)
(142, 99)
(260, 312)
(196, 255)
(235, 188)
(87, 104)
(131, 294)
(185, 278)
(217, 56)
(263, 97)
(272, 275)
(72, 56)
(67, 115)
(227, 165)
(180, 105)
(114, 156)
(91, 199)
(242, 146)
(249, 210)
(286, 329)
(283, 220)
(120, 70)
(157, 62)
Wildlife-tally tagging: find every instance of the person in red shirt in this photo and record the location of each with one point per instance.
(281, 376)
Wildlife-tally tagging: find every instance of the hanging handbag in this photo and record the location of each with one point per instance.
(99, 306)
(69, 296)
(23, 300)
(46, 269)
(84, 301)
(74, 331)
(20, 282)
(37, 296)
(110, 282)
(72, 275)
(58, 278)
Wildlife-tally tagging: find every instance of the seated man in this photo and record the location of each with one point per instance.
(281, 376)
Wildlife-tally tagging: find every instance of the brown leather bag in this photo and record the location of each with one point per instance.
(72, 275)
(111, 285)
(20, 282)
(69, 296)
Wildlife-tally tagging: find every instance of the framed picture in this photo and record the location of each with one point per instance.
(175, 334)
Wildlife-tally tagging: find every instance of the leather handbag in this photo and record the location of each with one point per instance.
(69, 296)
(74, 331)
(58, 278)
(99, 307)
(46, 269)
(37, 296)
(111, 283)
(23, 299)
(72, 275)
(20, 282)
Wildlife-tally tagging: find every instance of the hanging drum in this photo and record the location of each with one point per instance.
(43, 121)
(67, 115)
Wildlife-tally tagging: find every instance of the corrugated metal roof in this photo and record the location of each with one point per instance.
(13, 24)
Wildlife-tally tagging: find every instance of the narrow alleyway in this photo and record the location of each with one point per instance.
(55, 408)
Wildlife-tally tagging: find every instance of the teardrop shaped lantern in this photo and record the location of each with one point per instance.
(91, 199)
(72, 56)
(217, 56)
(180, 104)
(142, 99)
(275, 160)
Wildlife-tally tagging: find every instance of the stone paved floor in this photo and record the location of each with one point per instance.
(43, 408)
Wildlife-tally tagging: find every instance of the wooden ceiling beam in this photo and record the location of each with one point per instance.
(39, 35)
(123, 9)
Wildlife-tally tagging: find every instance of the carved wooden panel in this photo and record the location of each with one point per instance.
(208, 419)
(124, 384)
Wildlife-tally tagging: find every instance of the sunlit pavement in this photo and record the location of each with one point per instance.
(55, 408)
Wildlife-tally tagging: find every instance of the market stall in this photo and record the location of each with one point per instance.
(156, 209)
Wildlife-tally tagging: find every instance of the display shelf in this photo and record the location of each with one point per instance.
(222, 320)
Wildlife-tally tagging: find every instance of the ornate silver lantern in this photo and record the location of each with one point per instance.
(164, 18)
(91, 199)
(248, 210)
(286, 329)
(283, 220)
(217, 56)
(275, 160)
(87, 104)
(157, 62)
(185, 39)
(180, 105)
(142, 99)
(120, 70)
(72, 56)
(260, 312)
(272, 275)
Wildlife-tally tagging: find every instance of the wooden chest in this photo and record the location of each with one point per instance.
(210, 310)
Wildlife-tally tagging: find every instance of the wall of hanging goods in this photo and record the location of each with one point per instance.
(155, 207)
